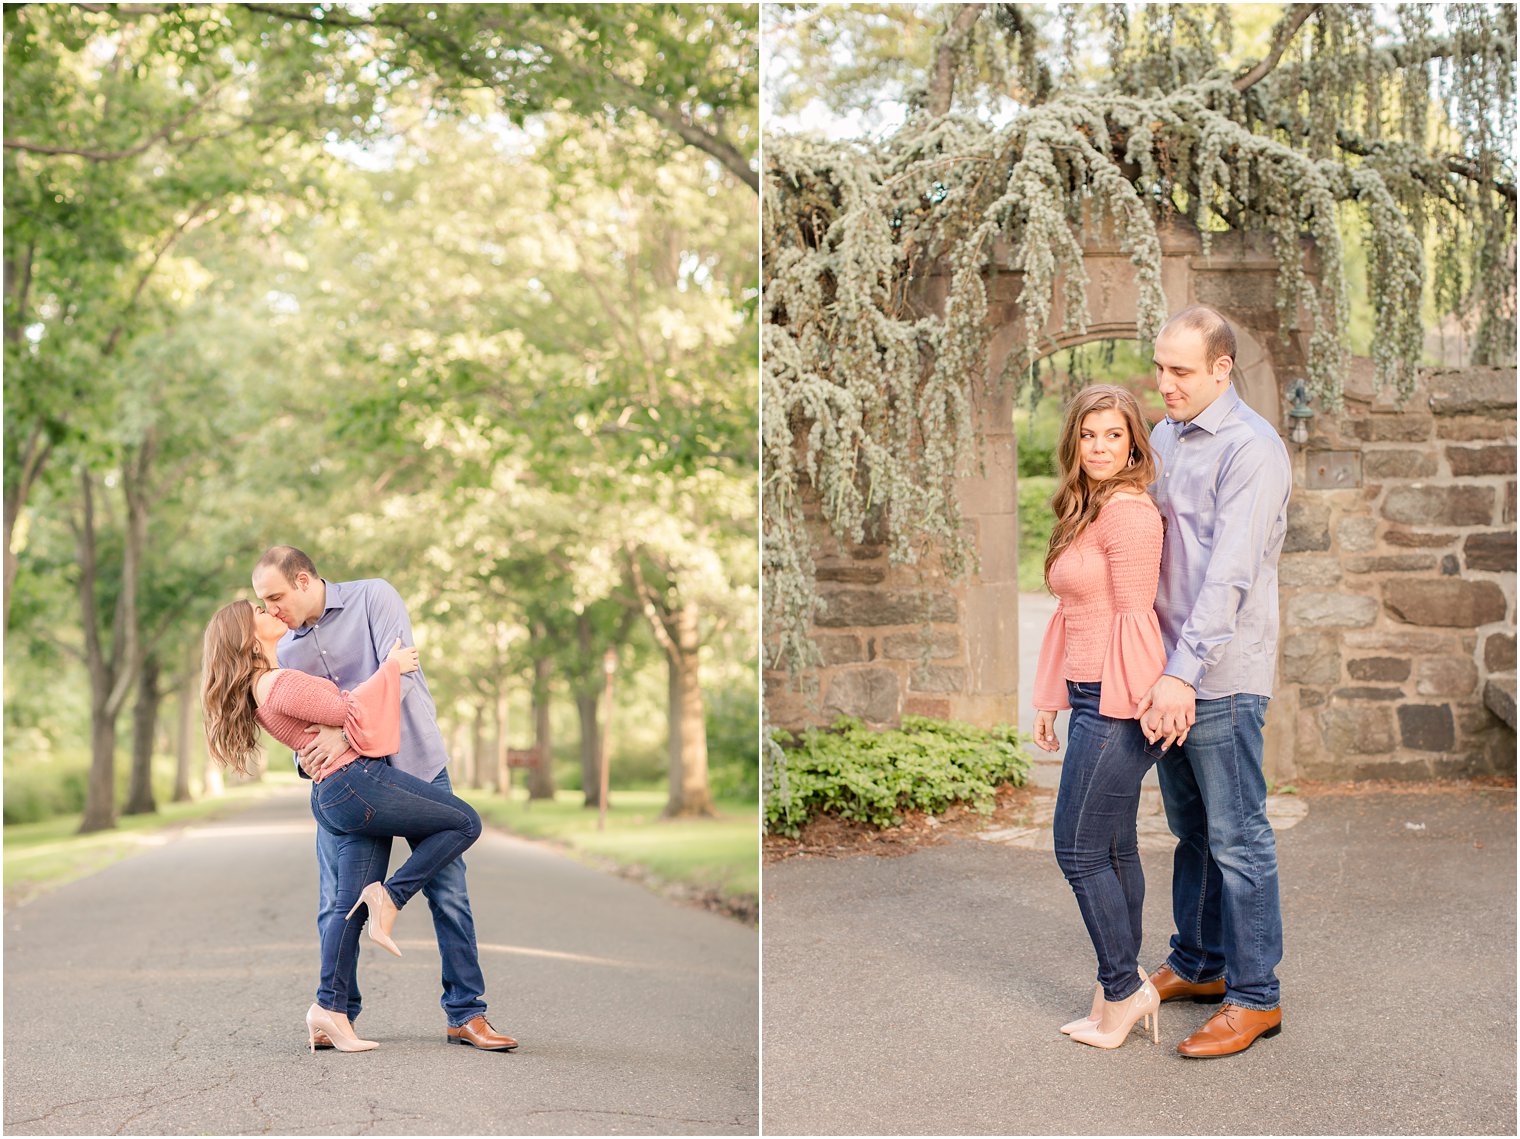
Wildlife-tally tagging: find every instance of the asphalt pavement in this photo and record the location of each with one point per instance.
(922, 994)
(166, 995)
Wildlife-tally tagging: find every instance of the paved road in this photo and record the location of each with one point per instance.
(921, 994)
(165, 995)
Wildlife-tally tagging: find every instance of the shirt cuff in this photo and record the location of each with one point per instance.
(1185, 667)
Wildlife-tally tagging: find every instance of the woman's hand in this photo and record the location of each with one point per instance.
(405, 657)
(1045, 731)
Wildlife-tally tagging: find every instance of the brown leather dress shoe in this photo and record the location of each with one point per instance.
(1230, 1030)
(479, 1034)
(319, 1039)
(1173, 988)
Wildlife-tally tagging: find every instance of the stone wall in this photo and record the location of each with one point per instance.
(1398, 585)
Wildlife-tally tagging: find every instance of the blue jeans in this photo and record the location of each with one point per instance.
(1224, 873)
(360, 808)
(1095, 840)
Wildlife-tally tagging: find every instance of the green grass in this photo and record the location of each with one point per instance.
(722, 854)
(41, 856)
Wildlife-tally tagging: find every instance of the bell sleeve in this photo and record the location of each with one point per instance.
(1050, 673)
(372, 712)
(1129, 532)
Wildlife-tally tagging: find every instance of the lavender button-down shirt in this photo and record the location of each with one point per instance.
(1223, 490)
(354, 634)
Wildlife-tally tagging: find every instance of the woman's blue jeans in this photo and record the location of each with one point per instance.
(364, 805)
(1096, 845)
(1224, 872)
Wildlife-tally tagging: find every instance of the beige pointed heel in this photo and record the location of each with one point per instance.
(338, 1030)
(1118, 1017)
(382, 915)
(1091, 1019)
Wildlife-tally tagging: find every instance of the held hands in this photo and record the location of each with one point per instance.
(1045, 731)
(1168, 711)
(327, 745)
(406, 657)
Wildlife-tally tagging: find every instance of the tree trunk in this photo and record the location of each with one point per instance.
(689, 794)
(541, 778)
(947, 57)
(503, 767)
(591, 748)
(100, 790)
(144, 727)
(478, 757)
(188, 694)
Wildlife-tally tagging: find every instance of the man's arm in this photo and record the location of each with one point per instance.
(388, 620)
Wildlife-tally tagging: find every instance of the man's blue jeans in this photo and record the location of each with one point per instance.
(1094, 830)
(360, 855)
(1224, 872)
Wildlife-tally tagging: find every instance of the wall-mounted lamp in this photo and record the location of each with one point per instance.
(1300, 413)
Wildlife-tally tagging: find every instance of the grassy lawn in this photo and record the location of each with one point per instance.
(40, 856)
(721, 854)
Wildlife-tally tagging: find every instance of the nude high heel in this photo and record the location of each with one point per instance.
(338, 1030)
(1091, 1019)
(382, 915)
(1143, 1005)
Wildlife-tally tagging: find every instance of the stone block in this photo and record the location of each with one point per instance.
(1495, 551)
(1296, 570)
(935, 707)
(1415, 540)
(1426, 727)
(1331, 610)
(1332, 470)
(1352, 727)
(871, 694)
(847, 608)
(1379, 668)
(1499, 696)
(1308, 526)
(1452, 603)
(1399, 464)
(1311, 697)
(1356, 534)
(840, 648)
(1509, 502)
(996, 491)
(1310, 658)
(1495, 460)
(852, 574)
(1467, 429)
(1394, 427)
(1446, 676)
(1499, 652)
(1472, 391)
(997, 546)
(1369, 693)
(1450, 566)
(937, 644)
(949, 678)
(1430, 505)
(992, 639)
(1400, 642)
(1392, 563)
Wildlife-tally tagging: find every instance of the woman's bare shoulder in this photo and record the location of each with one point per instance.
(264, 685)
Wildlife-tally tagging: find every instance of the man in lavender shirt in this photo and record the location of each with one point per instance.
(1223, 492)
(342, 630)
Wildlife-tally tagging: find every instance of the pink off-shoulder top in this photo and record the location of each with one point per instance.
(370, 714)
(1105, 630)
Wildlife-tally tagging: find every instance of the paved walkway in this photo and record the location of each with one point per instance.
(922, 994)
(165, 995)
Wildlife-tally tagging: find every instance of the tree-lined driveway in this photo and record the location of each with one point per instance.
(166, 995)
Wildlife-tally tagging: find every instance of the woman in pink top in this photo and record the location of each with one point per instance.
(363, 800)
(1101, 654)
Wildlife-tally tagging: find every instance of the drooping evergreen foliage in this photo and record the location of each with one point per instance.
(1031, 123)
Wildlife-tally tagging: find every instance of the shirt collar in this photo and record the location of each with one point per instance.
(1212, 418)
(334, 600)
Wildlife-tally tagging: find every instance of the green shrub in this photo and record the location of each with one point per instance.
(1036, 520)
(855, 772)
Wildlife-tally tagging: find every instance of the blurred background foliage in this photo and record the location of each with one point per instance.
(462, 296)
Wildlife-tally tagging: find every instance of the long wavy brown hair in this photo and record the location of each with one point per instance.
(233, 661)
(1078, 499)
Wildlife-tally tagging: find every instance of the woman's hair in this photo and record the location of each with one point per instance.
(1078, 499)
(232, 660)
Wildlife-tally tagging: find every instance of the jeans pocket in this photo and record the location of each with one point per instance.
(341, 809)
